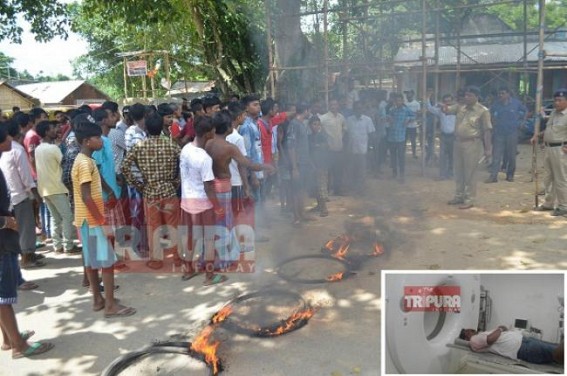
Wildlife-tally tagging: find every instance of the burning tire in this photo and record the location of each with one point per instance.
(121, 363)
(343, 271)
(296, 320)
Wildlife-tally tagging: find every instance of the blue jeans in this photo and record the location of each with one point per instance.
(536, 351)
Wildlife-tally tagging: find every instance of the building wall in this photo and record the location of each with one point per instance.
(525, 296)
(84, 92)
(9, 99)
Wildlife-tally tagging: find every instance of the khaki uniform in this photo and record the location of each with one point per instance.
(555, 161)
(470, 125)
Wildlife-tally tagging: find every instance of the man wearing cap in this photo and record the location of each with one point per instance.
(472, 127)
(555, 159)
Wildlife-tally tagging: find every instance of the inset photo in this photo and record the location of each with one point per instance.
(448, 322)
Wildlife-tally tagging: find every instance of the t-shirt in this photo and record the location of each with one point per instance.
(298, 139)
(358, 131)
(104, 159)
(266, 140)
(506, 345)
(31, 141)
(253, 142)
(415, 107)
(196, 168)
(85, 171)
(236, 139)
(49, 172)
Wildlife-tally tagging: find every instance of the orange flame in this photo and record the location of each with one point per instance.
(292, 321)
(330, 245)
(336, 277)
(221, 315)
(343, 250)
(378, 249)
(202, 345)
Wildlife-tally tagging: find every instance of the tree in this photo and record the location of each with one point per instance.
(47, 18)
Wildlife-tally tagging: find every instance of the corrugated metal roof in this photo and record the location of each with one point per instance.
(51, 92)
(20, 92)
(511, 53)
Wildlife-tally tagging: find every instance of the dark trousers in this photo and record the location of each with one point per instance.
(411, 135)
(398, 157)
(504, 148)
(446, 155)
(336, 170)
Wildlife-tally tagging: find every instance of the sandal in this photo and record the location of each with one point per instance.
(215, 280)
(33, 264)
(26, 286)
(154, 264)
(35, 348)
(26, 334)
(189, 276)
(124, 312)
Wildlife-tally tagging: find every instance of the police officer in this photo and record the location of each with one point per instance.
(472, 127)
(555, 159)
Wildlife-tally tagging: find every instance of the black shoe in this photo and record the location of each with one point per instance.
(510, 179)
(456, 201)
(559, 212)
(491, 179)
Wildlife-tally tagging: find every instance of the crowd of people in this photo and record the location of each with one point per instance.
(93, 180)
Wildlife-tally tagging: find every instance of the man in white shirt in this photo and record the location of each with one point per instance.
(447, 127)
(201, 208)
(411, 128)
(240, 188)
(50, 185)
(513, 345)
(359, 127)
(16, 168)
(334, 124)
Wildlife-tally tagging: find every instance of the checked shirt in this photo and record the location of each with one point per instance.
(157, 159)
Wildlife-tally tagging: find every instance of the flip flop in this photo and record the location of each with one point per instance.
(124, 312)
(35, 348)
(26, 286)
(154, 264)
(215, 280)
(189, 276)
(26, 334)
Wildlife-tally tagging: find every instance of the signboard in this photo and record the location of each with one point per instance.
(432, 299)
(137, 68)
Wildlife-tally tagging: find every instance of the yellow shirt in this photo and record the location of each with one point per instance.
(49, 172)
(334, 126)
(471, 121)
(556, 128)
(85, 171)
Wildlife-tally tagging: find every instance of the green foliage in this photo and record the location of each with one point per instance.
(209, 39)
(47, 18)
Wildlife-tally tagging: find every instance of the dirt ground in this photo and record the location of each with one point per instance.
(343, 337)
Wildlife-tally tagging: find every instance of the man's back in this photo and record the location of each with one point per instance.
(49, 172)
(219, 150)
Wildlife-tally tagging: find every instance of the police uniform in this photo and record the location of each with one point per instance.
(555, 160)
(471, 123)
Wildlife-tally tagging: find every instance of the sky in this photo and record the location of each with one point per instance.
(49, 58)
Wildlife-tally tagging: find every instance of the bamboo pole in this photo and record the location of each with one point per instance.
(423, 83)
(539, 98)
(125, 78)
(270, 52)
(326, 50)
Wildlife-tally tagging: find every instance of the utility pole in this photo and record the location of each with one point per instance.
(539, 98)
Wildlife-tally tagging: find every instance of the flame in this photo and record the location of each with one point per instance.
(221, 315)
(343, 240)
(343, 250)
(378, 249)
(336, 277)
(292, 321)
(330, 245)
(202, 345)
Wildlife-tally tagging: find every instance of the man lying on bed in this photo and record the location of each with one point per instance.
(512, 344)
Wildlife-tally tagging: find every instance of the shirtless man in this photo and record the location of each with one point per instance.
(222, 152)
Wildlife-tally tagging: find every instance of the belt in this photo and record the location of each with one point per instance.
(555, 144)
